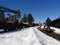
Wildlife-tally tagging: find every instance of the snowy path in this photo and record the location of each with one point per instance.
(28, 36)
(23, 37)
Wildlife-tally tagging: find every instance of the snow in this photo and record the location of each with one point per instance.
(27, 36)
(1, 30)
(23, 37)
(45, 39)
(56, 30)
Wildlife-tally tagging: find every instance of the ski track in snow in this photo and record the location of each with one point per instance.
(27, 36)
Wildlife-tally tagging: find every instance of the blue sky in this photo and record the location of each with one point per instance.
(40, 9)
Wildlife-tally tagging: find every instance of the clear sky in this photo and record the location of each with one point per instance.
(40, 9)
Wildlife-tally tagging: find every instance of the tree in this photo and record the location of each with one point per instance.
(2, 16)
(30, 19)
(48, 20)
(48, 23)
(18, 15)
(24, 18)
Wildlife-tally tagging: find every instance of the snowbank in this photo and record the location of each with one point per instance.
(56, 30)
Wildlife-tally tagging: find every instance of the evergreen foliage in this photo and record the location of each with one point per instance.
(30, 18)
(48, 22)
(24, 18)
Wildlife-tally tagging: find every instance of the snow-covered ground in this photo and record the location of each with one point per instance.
(45, 39)
(56, 30)
(27, 36)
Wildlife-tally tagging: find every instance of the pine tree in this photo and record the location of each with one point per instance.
(30, 19)
(48, 22)
(24, 19)
(2, 16)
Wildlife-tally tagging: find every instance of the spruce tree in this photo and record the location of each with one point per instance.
(30, 18)
(48, 22)
(24, 19)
